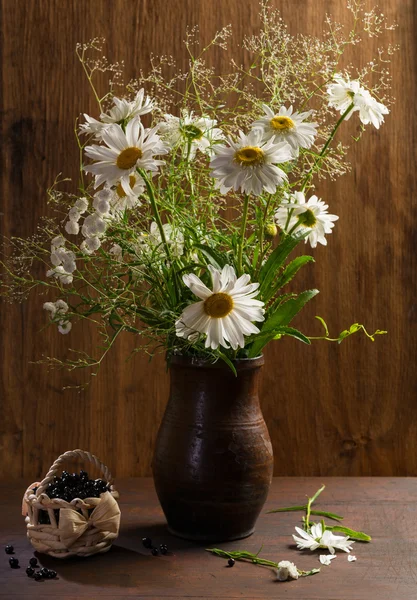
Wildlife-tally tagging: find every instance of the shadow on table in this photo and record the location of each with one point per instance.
(127, 563)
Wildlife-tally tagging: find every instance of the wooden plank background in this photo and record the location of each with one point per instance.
(331, 410)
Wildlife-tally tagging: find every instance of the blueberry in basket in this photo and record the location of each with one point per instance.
(76, 485)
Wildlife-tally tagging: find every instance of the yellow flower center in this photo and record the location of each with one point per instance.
(282, 124)
(307, 218)
(120, 191)
(249, 155)
(192, 132)
(218, 305)
(129, 157)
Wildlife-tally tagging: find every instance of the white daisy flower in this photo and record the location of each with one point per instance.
(124, 153)
(319, 539)
(120, 200)
(286, 570)
(250, 164)
(295, 214)
(127, 109)
(189, 131)
(225, 314)
(123, 110)
(326, 559)
(370, 111)
(344, 92)
(287, 126)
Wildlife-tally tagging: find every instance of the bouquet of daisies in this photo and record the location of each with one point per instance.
(194, 190)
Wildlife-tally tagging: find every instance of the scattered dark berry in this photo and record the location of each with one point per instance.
(231, 562)
(147, 542)
(9, 549)
(52, 574)
(155, 551)
(33, 562)
(44, 572)
(163, 548)
(37, 576)
(30, 572)
(14, 563)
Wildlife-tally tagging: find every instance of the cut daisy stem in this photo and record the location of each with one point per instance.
(326, 145)
(255, 559)
(242, 234)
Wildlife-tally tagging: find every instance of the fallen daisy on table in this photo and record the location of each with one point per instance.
(326, 559)
(351, 558)
(317, 538)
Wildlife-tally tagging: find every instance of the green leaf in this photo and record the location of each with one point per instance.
(274, 263)
(286, 311)
(291, 270)
(215, 259)
(228, 362)
(264, 338)
(292, 333)
(355, 535)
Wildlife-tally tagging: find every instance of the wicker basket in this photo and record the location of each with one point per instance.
(84, 527)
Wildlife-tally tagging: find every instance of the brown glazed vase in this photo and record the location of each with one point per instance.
(213, 460)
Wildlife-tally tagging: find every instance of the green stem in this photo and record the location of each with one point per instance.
(242, 234)
(326, 145)
(155, 211)
(309, 503)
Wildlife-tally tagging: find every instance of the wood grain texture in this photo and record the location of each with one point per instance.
(384, 570)
(331, 410)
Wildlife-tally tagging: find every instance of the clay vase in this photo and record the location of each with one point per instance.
(213, 460)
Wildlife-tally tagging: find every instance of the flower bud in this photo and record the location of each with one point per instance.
(271, 230)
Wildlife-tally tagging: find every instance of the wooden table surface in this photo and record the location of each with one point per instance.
(386, 568)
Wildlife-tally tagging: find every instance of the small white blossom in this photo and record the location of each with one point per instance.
(351, 558)
(64, 327)
(60, 273)
(174, 238)
(72, 227)
(117, 252)
(51, 308)
(93, 225)
(74, 214)
(326, 559)
(81, 205)
(58, 241)
(286, 570)
(90, 245)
